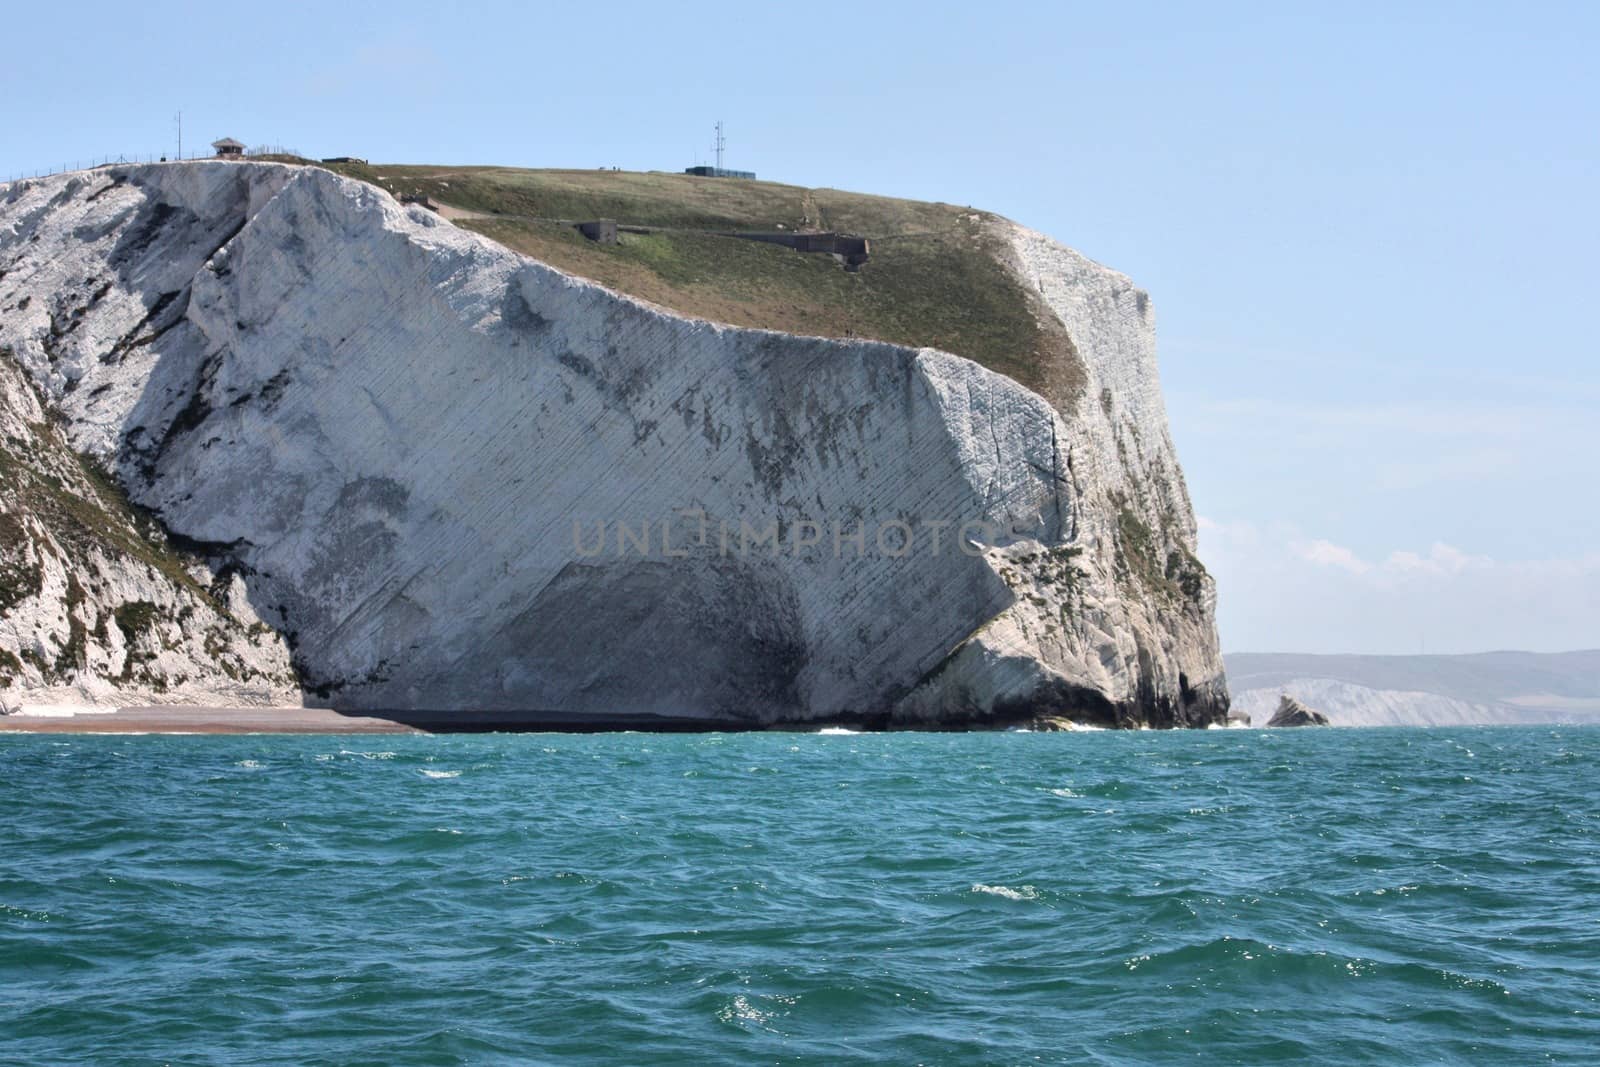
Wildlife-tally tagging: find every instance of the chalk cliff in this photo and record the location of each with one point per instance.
(444, 476)
(1440, 690)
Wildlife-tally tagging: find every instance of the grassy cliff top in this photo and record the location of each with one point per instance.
(937, 276)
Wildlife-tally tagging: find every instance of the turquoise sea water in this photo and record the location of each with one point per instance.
(1338, 896)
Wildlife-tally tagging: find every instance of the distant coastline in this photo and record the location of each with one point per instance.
(1481, 689)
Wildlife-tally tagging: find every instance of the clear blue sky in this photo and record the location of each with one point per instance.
(1371, 232)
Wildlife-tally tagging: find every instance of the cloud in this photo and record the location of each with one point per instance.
(1281, 590)
(1418, 498)
(1441, 559)
(1328, 554)
(1240, 533)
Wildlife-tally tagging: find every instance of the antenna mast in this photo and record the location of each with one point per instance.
(180, 137)
(719, 143)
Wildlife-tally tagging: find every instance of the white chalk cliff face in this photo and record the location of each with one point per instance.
(453, 478)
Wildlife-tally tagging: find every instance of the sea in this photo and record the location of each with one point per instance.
(1383, 896)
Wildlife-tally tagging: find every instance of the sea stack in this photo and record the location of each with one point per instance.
(271, 435)
(1293, 713)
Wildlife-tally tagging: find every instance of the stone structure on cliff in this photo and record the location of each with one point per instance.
(436, 474)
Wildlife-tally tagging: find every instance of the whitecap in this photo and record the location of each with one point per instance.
(441, 774)
(741, 1010)
(1069, 794)
(249, 764)
(1026, 892)
(837, 730)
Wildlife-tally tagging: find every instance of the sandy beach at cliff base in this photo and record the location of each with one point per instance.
(176, 719)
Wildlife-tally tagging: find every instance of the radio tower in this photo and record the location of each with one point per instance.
(719, 142)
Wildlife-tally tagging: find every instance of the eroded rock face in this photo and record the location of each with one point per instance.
(1293, 713)
(455, 478)
(96, 605)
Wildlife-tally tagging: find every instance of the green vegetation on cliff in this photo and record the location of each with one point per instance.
(82, 508)
(61, 512)
(937, 277)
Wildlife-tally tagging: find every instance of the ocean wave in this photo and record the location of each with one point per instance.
(928, 899)
(1026, 892)
(740, 1010)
